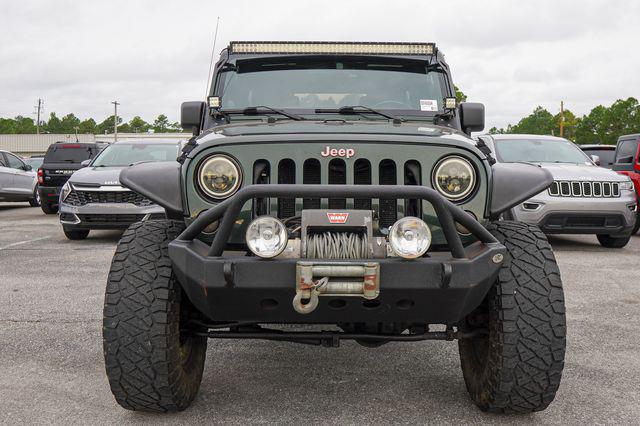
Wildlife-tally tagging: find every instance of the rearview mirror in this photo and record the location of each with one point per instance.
(595, 159)
(191, 116)
(471, 117)
(85, 163)
(27, 167)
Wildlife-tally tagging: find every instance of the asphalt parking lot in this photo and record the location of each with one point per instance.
(51, 294)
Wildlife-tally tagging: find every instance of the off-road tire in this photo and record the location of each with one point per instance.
(150, 363)
(49, 208)
(35, 200)
(613, 242)
(75, 234)
(517, 367)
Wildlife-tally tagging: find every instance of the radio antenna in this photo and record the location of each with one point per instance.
(213, 51)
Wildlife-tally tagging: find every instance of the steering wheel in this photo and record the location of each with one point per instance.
(402, 104)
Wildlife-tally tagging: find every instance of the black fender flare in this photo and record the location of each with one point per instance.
(513, 183)
(158, 181)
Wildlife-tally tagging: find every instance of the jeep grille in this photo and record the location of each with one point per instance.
(339, 172)
(590, 189)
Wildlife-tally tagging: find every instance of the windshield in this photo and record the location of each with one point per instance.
(125, 154)
(539, 151)
(69, 153)
(307, 83)
(35, 163)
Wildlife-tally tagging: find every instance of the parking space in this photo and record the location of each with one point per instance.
(51, 294)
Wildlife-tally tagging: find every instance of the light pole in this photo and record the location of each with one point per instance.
(115, 120)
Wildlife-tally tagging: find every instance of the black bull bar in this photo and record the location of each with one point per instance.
(229, 210)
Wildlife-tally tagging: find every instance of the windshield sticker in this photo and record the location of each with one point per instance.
(428, 105)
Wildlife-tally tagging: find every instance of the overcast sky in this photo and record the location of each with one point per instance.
(152, 55)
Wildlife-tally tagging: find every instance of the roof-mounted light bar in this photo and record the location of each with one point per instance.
(331, 48)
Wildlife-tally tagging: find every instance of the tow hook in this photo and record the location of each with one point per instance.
(334, 279)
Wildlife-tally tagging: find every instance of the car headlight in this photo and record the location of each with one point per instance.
(627, 185)
(65, 191)
(410, 237)
(454, 177)
(266, 237)
(219, 176)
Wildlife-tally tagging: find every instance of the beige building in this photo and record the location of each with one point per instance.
(28, 145)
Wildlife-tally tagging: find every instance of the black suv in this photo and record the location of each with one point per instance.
(60, 161)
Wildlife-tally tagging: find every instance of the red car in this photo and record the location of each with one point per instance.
(627, 162)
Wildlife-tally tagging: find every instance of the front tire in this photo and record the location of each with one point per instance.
(151, 362)
(517, 367)
(35, 200)
(613, 242)
(75, 234)
(637, 225)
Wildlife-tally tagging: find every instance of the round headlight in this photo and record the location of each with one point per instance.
(454, 177)
(266, 237)
(219, 176)
(410, 237)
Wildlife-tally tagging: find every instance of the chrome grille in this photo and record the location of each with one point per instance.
(81, 198)
(591, 189)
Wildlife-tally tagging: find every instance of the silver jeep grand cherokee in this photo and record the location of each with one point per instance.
(583, 199)
(93, 198)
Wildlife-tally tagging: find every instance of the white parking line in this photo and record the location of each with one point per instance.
(19, 243)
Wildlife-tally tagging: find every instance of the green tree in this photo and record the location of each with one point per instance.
(68, 123)
(7, 126)
(124, 128)
(138, 125)
(25, 125)
(460, 96)
(88, 126)
(53, 125)
(605, 124)
(161, 124)
(570, 125)
(107, 125)
(539, 122)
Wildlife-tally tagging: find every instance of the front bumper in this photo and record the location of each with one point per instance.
(441, 288)
(576, 215)
(106, 216)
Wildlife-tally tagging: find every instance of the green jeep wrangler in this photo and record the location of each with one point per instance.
(332, 192)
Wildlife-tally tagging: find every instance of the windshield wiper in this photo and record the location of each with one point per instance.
(261, 109)
(358, 109)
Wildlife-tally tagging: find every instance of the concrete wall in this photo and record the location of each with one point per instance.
(27, 145)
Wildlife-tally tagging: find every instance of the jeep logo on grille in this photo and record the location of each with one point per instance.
(337, 217)
(335, 152)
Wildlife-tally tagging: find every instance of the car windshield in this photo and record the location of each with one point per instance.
(539, 151)
(125, 154)
(69, 153)
(307, 83)
(606, 156)
(35, 162)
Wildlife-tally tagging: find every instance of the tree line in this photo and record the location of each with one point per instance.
(603, 125)
(70, 123)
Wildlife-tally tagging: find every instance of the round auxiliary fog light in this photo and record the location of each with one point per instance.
(410, 237)
(266, 237)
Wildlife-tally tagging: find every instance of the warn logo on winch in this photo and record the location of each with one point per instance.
(337, 217)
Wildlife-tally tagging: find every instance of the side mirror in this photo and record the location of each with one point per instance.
(471, 117)
(191, 115)
(625, 160)
(595, 159)
(27, 167)
(85, 163)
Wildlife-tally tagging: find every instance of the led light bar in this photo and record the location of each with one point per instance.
(331, 48)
